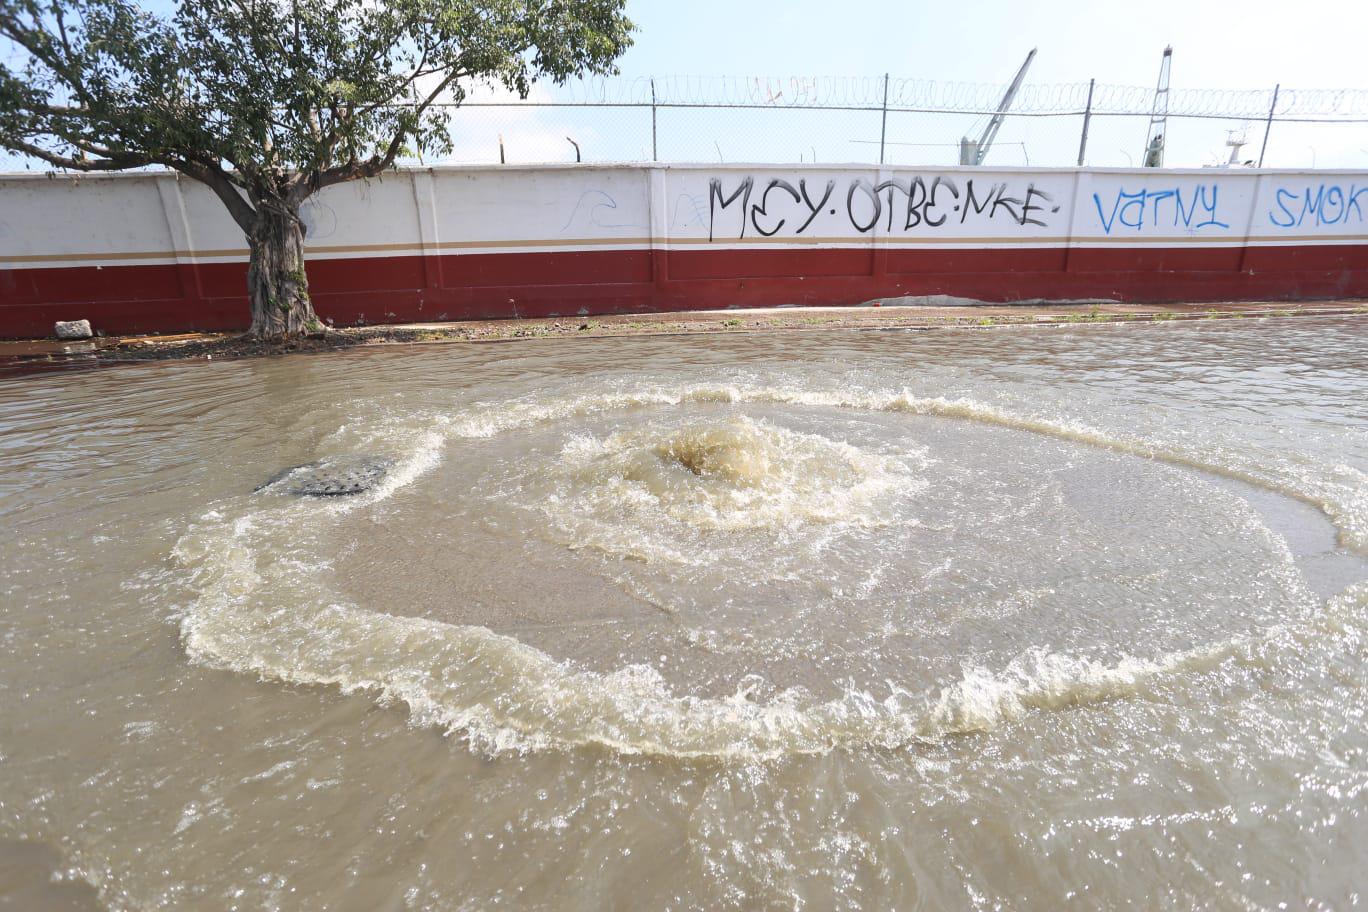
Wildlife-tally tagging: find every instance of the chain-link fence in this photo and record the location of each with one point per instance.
(906, 122)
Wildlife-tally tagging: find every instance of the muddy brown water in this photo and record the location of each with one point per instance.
(841, 620)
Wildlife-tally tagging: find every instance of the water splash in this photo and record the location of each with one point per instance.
(503, 694)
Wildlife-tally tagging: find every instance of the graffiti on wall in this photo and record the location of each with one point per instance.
(740, 207)
(1185, 208)
(1318, 204)
(747, 206)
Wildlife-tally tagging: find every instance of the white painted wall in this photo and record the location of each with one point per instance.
(57, 221)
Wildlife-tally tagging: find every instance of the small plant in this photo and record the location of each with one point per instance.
(985, 321)
(731, 322)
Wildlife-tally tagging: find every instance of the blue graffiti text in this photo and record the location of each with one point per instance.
(1192, 208)
(1324, 204)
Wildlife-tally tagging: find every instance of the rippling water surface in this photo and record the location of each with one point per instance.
(858, 620)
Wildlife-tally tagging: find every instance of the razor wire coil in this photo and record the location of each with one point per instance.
(930, 96)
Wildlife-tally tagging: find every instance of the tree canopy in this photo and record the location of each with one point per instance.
(269, 101)
(277, 98)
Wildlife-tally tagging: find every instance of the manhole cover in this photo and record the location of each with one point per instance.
(334, 476)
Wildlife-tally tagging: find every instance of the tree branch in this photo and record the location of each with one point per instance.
(115, 163)
(211, 175)
(27, 39)
(223, 186)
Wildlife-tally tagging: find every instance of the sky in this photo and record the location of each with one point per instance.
(1248, 45)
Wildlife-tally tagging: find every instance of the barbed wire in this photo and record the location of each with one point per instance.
(933, 96)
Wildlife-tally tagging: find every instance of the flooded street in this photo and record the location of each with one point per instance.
(817, 620)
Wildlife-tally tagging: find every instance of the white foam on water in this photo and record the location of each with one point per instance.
(1343, 497)
(255, 615)
(654, 491)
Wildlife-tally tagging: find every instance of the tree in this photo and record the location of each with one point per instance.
(270, 101)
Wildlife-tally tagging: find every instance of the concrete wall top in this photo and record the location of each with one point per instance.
(710, 165)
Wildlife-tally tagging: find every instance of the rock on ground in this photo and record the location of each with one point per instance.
(73, 329)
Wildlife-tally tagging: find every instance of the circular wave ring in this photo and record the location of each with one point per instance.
(504, 694)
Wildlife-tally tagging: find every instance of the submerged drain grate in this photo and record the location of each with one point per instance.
(335, 476)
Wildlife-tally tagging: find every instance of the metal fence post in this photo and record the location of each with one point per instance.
(883, 127)
(1087, 117)
(1268, 125)
(654, 155)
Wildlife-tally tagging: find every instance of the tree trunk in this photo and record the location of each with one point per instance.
(276, 282)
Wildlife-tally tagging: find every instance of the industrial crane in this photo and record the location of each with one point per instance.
(1154, 140)
(973, 152)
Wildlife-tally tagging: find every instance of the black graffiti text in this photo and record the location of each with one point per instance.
(902, 204)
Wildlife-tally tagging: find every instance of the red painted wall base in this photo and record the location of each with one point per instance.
(208, 297)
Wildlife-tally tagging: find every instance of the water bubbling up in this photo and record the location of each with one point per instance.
(1089, 635)
(678, 480)
(746, 508)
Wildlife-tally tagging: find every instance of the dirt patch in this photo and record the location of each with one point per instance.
(876, 316)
